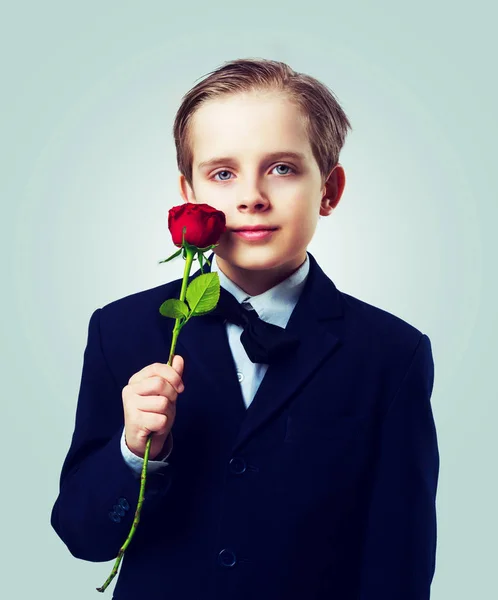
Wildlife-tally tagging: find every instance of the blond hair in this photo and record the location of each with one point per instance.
(324, 119)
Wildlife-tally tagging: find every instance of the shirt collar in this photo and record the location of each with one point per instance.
(276, 304)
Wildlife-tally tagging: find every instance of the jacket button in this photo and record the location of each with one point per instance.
(114, 517)
(119, 510)
(124, 503)
(237, 465)
(226, 558)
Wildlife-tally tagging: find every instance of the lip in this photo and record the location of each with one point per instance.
(255, 234)
(255, 227)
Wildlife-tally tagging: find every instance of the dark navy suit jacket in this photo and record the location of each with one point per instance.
(324, 488)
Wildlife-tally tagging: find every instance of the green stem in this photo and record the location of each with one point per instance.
(190, 253)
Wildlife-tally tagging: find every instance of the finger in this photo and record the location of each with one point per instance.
(156, 404)
(152, 423)
(147, 371)
(157, 421)
(154, 386)
(162, 370)
(178, 363)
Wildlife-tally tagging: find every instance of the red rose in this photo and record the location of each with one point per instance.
(204, 224)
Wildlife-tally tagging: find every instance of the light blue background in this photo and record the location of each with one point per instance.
(88, 173)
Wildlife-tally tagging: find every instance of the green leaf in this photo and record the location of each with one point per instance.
(174, 308)
(203, 293)
(171, 257)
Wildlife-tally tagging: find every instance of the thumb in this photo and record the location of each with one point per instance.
(178, 363)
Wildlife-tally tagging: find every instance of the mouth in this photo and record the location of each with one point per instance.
(255, 228)
(254, 234)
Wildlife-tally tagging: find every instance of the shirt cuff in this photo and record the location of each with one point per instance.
(136, 462)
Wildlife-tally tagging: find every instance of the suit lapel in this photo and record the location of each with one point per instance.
(204, 341)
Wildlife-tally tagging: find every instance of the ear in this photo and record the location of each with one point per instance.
(185, 190)
(332, 191)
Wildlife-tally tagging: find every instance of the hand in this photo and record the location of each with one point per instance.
(149, 404)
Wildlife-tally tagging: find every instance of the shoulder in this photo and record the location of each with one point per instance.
(131, 331)
(385, 337)
(378, 321)
(372, 331)
(138, 311)
(385, 347)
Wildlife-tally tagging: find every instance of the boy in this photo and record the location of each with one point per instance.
(314, 477)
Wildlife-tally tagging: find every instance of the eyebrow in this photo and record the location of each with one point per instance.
(212, 162)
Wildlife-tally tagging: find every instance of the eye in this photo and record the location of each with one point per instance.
(225, 171)
(219, 173)
(285, 167)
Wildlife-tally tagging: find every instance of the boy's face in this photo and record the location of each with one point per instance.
(253, 188)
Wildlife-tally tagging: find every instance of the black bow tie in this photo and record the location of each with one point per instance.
(263, 342)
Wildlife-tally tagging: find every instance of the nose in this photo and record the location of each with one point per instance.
(252, 196)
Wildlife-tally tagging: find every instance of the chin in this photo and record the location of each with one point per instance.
(252, 262)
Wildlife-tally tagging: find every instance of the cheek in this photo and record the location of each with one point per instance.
(303, 223)
(299, 210)
(210, 194)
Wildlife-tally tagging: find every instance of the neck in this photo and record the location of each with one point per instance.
(255, 282)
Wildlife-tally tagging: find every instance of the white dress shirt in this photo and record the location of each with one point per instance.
(273, 306)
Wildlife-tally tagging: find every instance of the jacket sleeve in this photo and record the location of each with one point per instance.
(136, 463)
(98, 492)
(399, 552)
